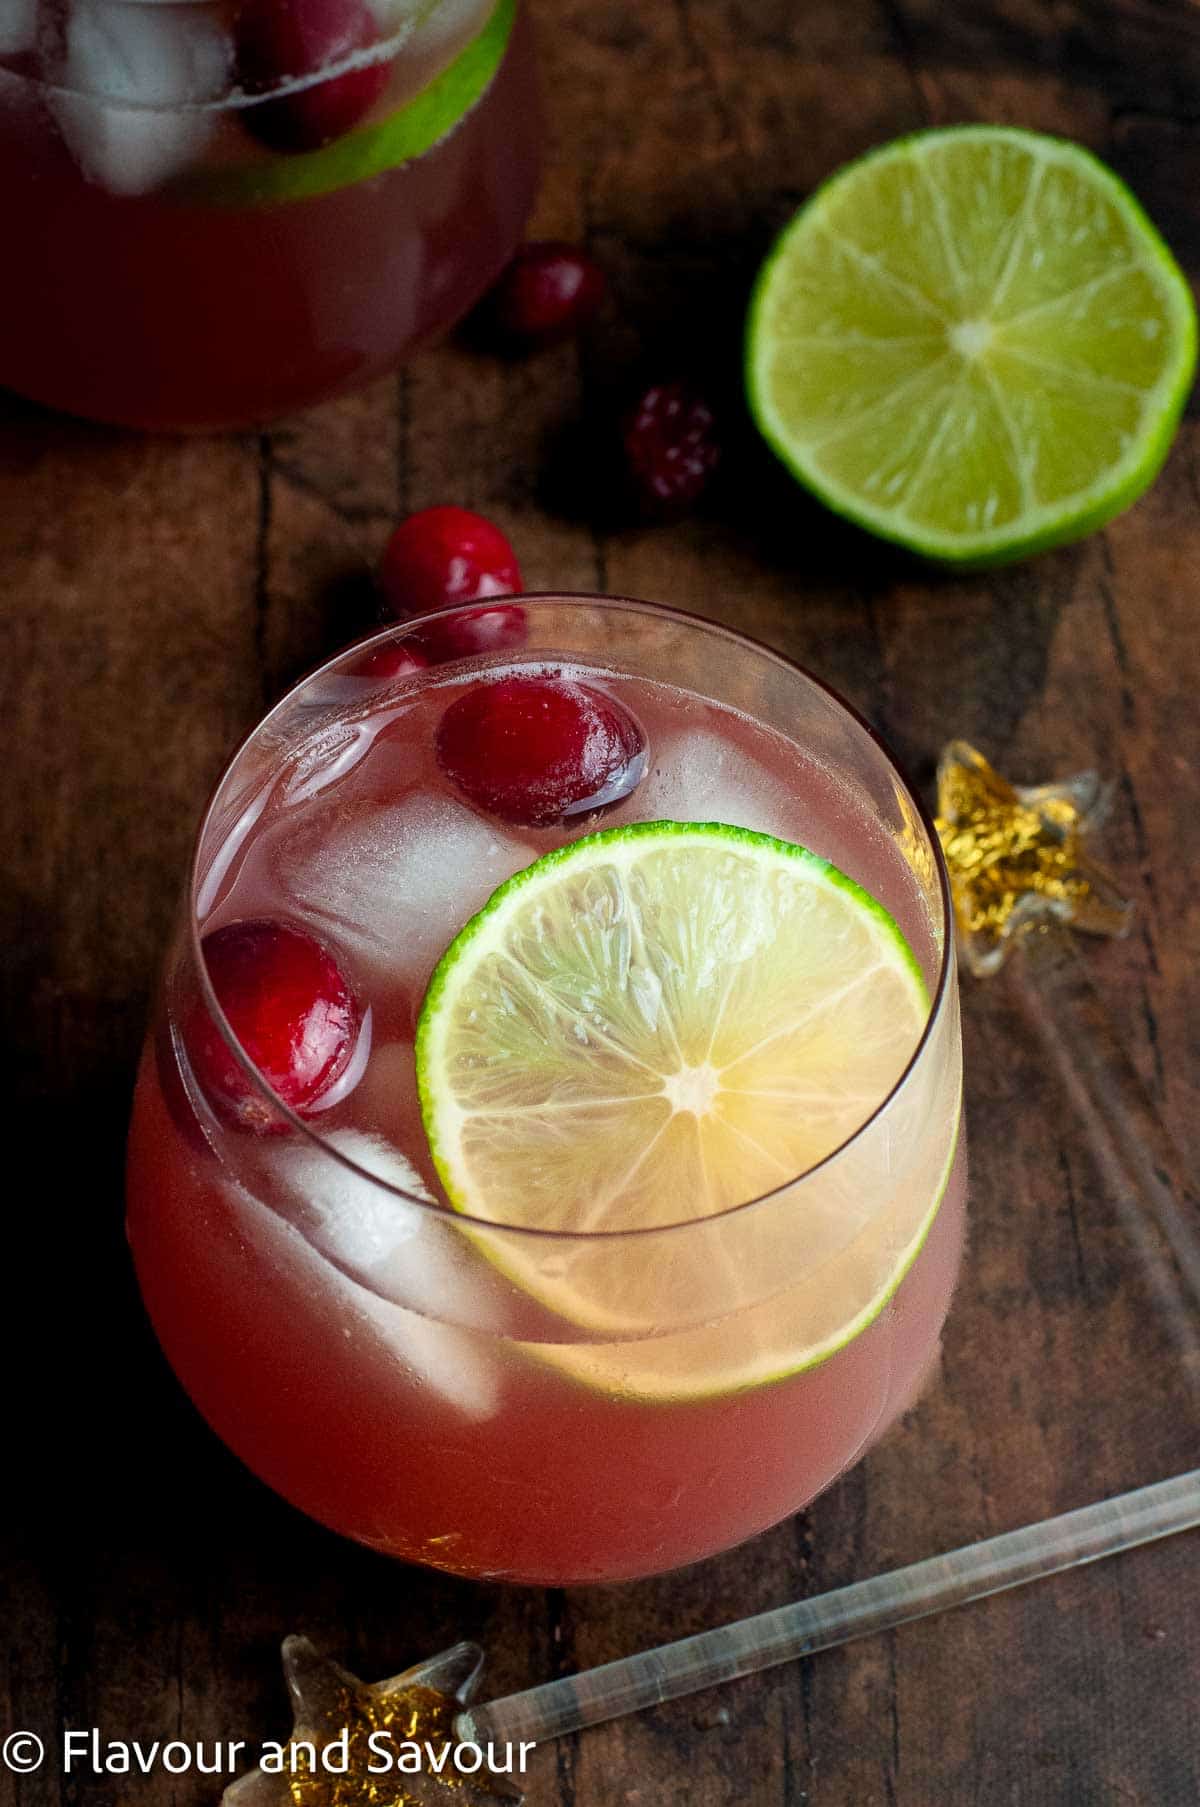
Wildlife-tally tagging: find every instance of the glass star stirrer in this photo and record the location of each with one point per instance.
(1020, 877)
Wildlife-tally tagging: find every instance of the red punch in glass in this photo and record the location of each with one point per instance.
(546, 1162)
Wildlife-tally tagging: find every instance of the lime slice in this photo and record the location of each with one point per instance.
(404, 135)
(655, 1024)
(972, 342)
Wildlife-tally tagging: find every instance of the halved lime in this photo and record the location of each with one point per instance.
(384, 144)
(972, 341)
(648, 1027)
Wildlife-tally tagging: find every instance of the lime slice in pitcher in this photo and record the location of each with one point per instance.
(405, 134)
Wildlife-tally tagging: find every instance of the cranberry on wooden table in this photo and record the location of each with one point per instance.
(671, 446)
(292, 1010)
(442, 557)
(549, 290)
(277, 41)
(537, 750)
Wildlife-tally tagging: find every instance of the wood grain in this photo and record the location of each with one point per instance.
(157, 594)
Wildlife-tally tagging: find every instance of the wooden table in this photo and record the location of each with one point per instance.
(157, 594)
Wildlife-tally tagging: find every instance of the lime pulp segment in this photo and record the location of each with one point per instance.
(647, 1028)
(385, 144)
(972, 341)
(793, 1331)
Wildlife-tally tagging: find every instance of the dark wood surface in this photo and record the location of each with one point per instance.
(157, 593)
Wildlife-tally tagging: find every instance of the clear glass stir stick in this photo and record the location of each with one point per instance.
(635, 1682)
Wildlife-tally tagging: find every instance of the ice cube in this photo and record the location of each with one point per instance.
(395, 18)
(386, 1103)
(132, 86)
(400, 1261)
(395, 882)
(18, 26)
(356, 1223)
(698, 776)
(426, 30)
(326, 759)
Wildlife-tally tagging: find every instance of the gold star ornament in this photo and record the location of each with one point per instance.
(379, 1744)
(1016, 859)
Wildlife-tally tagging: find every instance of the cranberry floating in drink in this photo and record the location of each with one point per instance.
(291, 1010)
(286, 45)
(392, 660)
(218, 214)
(634, 1220)
(537, 750)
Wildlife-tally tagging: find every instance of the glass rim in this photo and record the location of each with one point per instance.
(938, 996)
(234, 98)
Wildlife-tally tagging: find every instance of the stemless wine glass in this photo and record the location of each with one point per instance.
(216, 211)
(539, 1402)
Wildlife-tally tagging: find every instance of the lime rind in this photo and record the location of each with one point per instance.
(373, 149)
(1039, 528)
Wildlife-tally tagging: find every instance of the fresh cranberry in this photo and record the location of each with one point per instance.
(396, 659)
(470, 632)
(547, 293)
(291, 1008)
(536, 750)
(445, 556)
(671, 445)
(283, 40)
